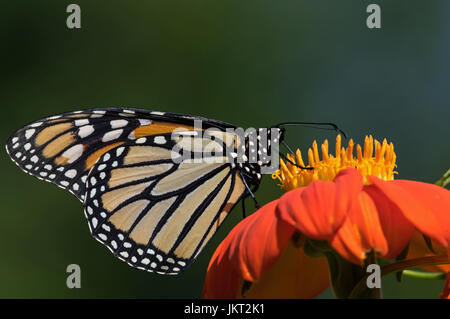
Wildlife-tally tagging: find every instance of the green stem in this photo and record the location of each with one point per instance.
(360, 288)
(444, 180)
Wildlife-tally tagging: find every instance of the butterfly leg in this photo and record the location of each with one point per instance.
(243, 209)
(249, 191)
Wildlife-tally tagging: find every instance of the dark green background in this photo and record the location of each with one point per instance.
(251, 63)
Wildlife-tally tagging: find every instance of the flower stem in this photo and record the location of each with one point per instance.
(361, 287)
(344, 275)
(444, 180)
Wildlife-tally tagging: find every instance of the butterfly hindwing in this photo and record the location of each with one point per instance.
(154, 212)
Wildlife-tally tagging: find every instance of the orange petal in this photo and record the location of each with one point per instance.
(294, 275)
(418, 248)
(361, 232)
(426, 206)
(396, 228)
(248, 251)
(319, 209)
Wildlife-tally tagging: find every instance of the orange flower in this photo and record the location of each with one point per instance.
(352, 203)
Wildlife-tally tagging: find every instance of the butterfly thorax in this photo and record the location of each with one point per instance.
(259, 153)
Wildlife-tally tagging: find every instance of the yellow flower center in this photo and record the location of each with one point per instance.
(381, 164)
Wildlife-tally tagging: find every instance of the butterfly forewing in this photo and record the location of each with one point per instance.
(62, 149)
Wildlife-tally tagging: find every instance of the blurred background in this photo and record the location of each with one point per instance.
(251, 63)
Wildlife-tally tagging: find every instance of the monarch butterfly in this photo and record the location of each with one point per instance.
(151, 207)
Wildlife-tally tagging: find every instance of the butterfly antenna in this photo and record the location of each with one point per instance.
(287, 159)
(287, 146)
(319, 125)
(292, 163)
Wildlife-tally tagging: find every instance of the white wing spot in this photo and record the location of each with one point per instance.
(29, 133)
(126, 245)
(118, 123)
(81, 122)
(112, 135)
(119, 151)
(131, 136)
(71, 173)
(36, 124)
(144, 122)
(73, 153)
(160, 140)
(86, 131)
